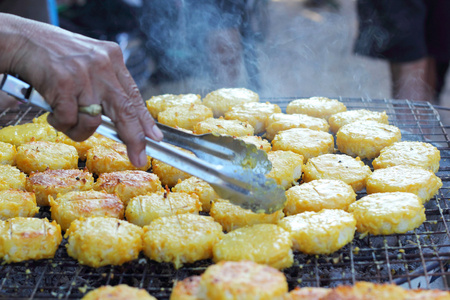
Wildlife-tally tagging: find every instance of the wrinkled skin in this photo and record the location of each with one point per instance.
(71, 70)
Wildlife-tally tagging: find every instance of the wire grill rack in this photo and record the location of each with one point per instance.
(398, 258)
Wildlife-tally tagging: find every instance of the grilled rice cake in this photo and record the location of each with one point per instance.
(111, 158)
(201, 188)
(319, 107)
(337, 166)
(306, 142)
(118, 292)
(28, 238)
(255, 113)
(224, 127)
(388, 213)
(221, 100)
(7, 154)
(231, 216)
(259, 142)
(186, 289)
(24, 133)
(128, 184)
(185, 115)
(142, 210)
(421, 182)
(53, 182)
(280, 121)
(41, 155)
(84, 146)
(266, 244)
(17, 203)
(42, 119)
(419, 154)
(181, 239)
(159, 103)
(366, 138)
(11, 178)
(340, 119)
(70, 206)
(286, 167)
(317, 195)
(167, 174)
(322, 232)
(101, 241)
(308, 293)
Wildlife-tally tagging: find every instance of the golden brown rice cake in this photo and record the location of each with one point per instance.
(279, 122)
(259, 142)
(128, 184)
(255, 113)
(40, 156)
(266, 244)
(7, 154)
(388, 213)
(186, 289)
(202, 189)
(71, 206)
(101, 241)
(231, 216)
(346, 117)
(286, 167)
(419, 154)
(319, 107)
(322, 232)
(242, 280)
(167, 174)
(418, 181)
(111, 158)
(118, 292)
(159, 103)
(317, 195)
(221, 100)
(185, 115)
(84, 146)
(181, 239)
(11, 178)
(337, 166)
(42, 119)
(17, 203)
(142, 210)
(53, 182)
(224, 127)
(28, 238)
(366, 138)
(306, 142)
(21, 134)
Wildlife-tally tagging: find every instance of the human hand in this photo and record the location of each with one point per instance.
(70, 70)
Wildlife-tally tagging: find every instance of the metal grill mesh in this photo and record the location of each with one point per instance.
(397, 258)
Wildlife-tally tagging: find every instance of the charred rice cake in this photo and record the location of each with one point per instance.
(142, 210)
(366, 138)
(84, 146)
(221, 100)
(388, 213)
(128, 184)
(159, 103)
(266, 244)
(185, 115)
(202, 189)
(53, 182)
(101, 241)
(17, 203)
(28, 238)
(306, 142)
(346, 117)
(255, 113)
(71, 206)
(181, 239)
(224, 127)
(319, 107)
(421, 182)
(286, 167)
(419, 154)
(322, 232)
(280, 121)
(231, 216)
(21, 134)
(167, 174)
(118, 292)
(337, 166)
(259, 142)
(7, 154)
(11, 178)
(40, 156)
(317, 195)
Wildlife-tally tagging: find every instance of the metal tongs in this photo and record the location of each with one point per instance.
(234, 169)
